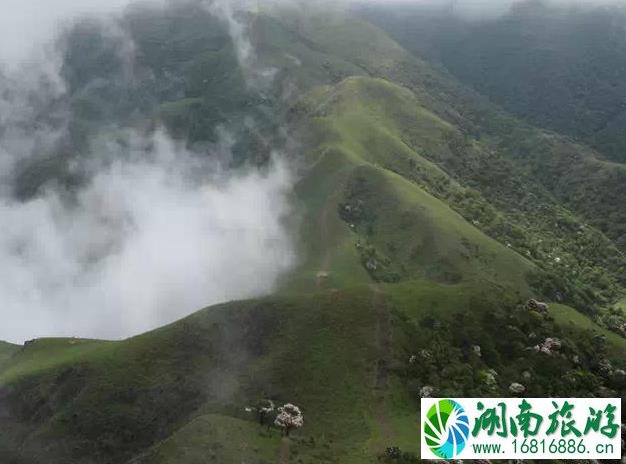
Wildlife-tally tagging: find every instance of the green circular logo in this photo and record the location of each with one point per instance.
(446, 428)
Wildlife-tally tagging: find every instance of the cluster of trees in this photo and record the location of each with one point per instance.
(287, 417)
(442, 354)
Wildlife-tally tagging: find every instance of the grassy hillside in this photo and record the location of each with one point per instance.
(375, 122)
(398, 228)
(427, 217)
(117, 398)
(179, 394)
(498, 170)
(6, 351)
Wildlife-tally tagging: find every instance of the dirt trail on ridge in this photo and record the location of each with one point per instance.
(384, 339)
(283, 451)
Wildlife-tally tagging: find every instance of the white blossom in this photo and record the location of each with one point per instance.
(516, 387)
(289, 417)
(425, 354)
(548, 346)
(426, 391)
(476, 350)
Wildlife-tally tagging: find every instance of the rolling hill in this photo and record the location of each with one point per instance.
(427, 217)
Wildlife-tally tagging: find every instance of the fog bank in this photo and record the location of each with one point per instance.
(141, 245)
(487, 9)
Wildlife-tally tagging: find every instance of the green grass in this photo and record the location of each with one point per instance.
(219, 439)
(417, 298)
(46, 353)
(355, 132)
(569, 317)
(327, 245)
(178, 394)
(7, 350)
(137, 392)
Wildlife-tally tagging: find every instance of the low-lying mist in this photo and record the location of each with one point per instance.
(489, 9)
(152, 232)
(142, 244)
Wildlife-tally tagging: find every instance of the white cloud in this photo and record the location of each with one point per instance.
(26, 26)
(142, 245)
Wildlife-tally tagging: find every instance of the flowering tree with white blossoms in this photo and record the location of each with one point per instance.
(289, 417)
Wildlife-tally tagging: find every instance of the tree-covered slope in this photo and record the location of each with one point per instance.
(180, 394)
(563, 77)
(399, 230)
(373, 121)
(559, 67)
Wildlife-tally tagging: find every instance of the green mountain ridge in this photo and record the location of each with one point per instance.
(556, 66)
(429, 217)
